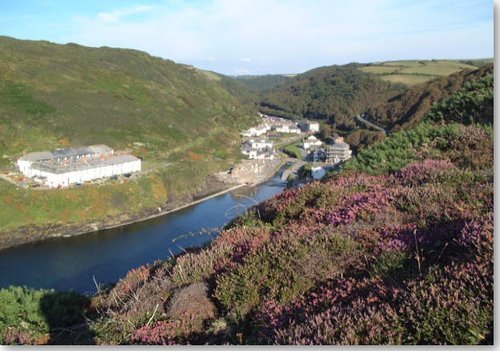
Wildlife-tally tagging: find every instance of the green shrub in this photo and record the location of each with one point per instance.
(29, 316)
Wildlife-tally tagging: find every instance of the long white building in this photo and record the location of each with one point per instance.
(63, 167)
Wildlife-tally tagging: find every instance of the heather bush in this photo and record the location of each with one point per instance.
(191, 305)
(449, 301)
(283, 270)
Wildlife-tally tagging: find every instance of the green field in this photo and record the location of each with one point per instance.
(415, 72)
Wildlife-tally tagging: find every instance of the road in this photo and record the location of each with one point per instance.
(362, 120)
(293, 168)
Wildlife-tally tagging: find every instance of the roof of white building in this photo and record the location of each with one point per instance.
(342, 146)
(66, 152)
(79, 165)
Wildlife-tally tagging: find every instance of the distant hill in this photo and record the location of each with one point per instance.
(335, 92)
(413, 72)
(395, 94)
(264, 83)
(407, 109)
(58, 95)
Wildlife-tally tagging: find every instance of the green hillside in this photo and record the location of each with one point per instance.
(335, 92)
(183, 123)
(395, 94)
(264, 83)
(58, 95)
(407, 109)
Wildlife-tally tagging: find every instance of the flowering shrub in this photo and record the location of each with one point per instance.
(160, 333)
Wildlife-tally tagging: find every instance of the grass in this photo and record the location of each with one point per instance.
(294, 150)
(415, 72)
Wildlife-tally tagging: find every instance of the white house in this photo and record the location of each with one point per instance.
(259, 149)
(318, 172)
(311, 141)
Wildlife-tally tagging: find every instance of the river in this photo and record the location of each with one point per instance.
(73, 263)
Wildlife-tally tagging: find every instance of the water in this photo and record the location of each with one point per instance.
(73, 263)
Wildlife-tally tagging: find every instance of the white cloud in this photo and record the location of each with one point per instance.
(294, 35)
(118, 14)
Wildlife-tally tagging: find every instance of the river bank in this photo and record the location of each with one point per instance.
(76, 262)
(213, 186)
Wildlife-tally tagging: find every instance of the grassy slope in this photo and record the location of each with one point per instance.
(396, 250)
(415, 72)
(69, 95)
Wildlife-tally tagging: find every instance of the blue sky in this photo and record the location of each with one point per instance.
(262, 36)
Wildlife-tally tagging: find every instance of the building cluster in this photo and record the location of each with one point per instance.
(263, 149)
(63, 167)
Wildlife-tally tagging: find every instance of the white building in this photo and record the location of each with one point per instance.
(339, 151)
(257, 131)
(311, 141)
(259, 149)
(63, 167)
(285, 128)
(318, 172)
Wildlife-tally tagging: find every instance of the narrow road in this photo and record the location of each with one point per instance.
(362, 120)
(293, 168)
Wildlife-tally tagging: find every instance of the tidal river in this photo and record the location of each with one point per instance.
(73, 263)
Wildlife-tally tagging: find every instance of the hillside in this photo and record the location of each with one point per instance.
(335, 93)
(58, 95)
(263, 84)
(395, 94)
(182, 123)
(396, 249)
(407, 109)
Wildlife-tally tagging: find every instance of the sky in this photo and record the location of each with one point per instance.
(237, 37)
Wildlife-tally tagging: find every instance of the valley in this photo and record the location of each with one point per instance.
(394, 245)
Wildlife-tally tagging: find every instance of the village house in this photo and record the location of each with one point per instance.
(311, 142)
(318, 172)
(63, 167)
(259, 149)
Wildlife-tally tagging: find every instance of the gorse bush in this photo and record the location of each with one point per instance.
(29, 316)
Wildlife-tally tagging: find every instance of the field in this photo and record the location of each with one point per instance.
(415, 72)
